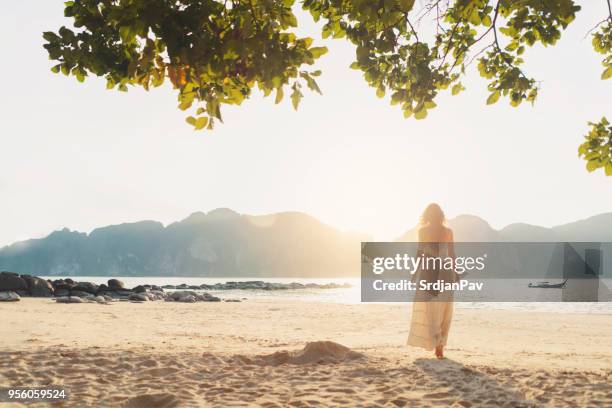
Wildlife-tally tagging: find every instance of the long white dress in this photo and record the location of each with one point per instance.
(431, 316)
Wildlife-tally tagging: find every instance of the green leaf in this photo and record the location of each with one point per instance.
(201, 122)
(494, 97)
(296, 96)
(213, 108)
(592, 165)
(457, 88)
(79, 73)
(318, 51)
(126, 34)
(406, 5)
(50, 36)
(279, 95)
(421, 114)
(185, 105)
(198, 123)
(311, 83)
(607, 73)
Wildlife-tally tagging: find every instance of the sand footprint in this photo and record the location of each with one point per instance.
(161, 400)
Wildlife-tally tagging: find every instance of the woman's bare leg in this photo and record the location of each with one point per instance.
(440, 352)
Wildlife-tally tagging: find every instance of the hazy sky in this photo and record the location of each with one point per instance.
(75, 155)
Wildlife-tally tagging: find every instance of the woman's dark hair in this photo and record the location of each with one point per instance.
(433, 216)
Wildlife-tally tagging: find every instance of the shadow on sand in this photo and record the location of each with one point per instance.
(470, 387)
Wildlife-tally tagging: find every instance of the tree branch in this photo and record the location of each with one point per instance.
(595, 27)
(412, 28)
(502, 53)
(477, 54)
(450, 44)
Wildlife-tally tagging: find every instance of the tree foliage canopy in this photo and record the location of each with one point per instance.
(215, 52)
(597, 149)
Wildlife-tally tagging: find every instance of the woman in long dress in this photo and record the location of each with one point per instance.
(432, 311)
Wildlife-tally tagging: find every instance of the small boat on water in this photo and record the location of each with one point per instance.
(548, 285)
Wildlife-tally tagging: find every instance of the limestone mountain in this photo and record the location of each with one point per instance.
(218, 243)
(224, 243)
(470, 228)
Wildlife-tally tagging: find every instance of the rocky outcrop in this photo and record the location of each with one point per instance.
(10, 281)
(190, 297)
(62, 292)
(63, 284)
(80, 293)
(38, 287)
(86, 287)
(9, 296)
(13, 285)
(261, 285)
(115, 284)
(139, 297)
(70, 299)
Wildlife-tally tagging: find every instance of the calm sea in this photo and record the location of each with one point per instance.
(350, 295)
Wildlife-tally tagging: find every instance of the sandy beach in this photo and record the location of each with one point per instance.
(280, 353)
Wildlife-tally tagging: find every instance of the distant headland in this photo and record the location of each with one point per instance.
(224, 243)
